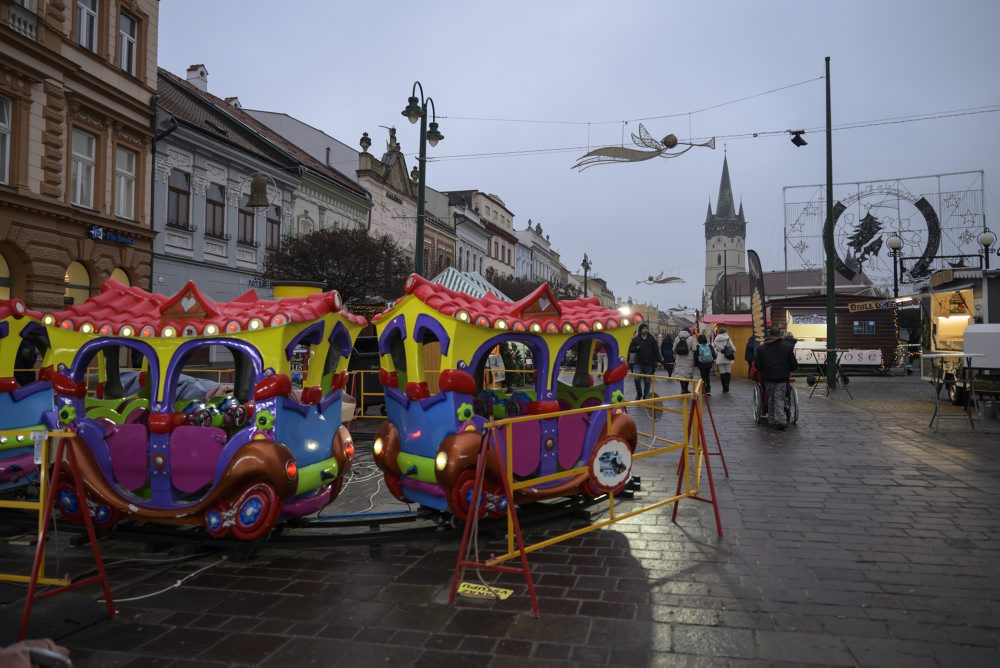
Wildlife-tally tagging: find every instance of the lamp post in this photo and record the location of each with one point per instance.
(895, 244)
(986, 239)
(586, 267)
(416, 109)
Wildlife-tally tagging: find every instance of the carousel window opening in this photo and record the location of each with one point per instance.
(118, 383)
(397, 355)
(213, 393)
(179, 200)
(5, 283)
(77, 284)
(30, 353)
(430, 360)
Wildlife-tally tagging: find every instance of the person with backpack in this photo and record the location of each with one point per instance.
(704, 359)
(667, 353)
(647, 355)
(726, 354)
(683, 358)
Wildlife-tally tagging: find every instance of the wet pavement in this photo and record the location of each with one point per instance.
(857, 537)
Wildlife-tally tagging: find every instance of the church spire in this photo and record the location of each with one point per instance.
(709, 216)
(725, 208)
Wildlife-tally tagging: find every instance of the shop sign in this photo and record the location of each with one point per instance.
(870, 306)
(98, 233)
(256, 282)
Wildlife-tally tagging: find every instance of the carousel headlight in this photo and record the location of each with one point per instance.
(377, 447)
(211, 329)
(49, 320)
(441, 461)
(168, 332)
(86, 328)
(126, 330)
(255, 323)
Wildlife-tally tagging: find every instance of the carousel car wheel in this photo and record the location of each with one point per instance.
(215, 522)
(236, 415)
(381, 409)
(68, 503)
(256, 511)
(460, 495)
(105, 516)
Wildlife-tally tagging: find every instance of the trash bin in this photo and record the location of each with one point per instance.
(989, 407)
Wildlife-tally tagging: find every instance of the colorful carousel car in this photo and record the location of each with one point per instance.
(185, 409)
(23, 399)
(435, 343)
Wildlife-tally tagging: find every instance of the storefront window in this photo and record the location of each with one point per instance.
(120, 276)
(77, 282)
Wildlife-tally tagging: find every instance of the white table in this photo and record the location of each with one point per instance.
(966, 372)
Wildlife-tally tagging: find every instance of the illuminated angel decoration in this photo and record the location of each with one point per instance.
(660, 147)
(660, 280)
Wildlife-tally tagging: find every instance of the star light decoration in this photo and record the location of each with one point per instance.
(954, 200)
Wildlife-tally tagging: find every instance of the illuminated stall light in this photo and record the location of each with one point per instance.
(126, 330)
(211, 329)
(410, 282)
(612, 323)
(582, 327)
(551, 327)
(168, 332)
(279, 320)
(86, 328)
(49, 320)
(567, 328)
(638, 318)
(500, 323)
(66, 324)
(255, 323)
(483, 321)
(338, 301)
(624, 322)
(232, 327)
(518, 326)
(463, 316)
(147, 331)
(106, 330)
(536, 328)
(598, 325)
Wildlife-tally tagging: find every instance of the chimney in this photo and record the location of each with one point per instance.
(197, 76)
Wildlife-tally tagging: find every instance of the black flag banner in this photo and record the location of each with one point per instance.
(758, 307)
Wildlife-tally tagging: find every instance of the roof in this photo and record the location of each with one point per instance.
(469, 282)
(539, 312)
(229, 123)
(730, 319)
(190, 312)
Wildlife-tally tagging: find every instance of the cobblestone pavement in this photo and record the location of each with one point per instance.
(857, 537)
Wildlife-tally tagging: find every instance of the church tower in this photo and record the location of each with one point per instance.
(725, 240)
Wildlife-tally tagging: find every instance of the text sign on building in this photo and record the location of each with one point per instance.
(870, 306)
(98, 233)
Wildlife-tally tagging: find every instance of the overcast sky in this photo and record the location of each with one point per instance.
(348, 67)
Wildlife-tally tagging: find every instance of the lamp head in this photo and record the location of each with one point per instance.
(413, 110)
(433, 134)
(797, 137)
(894, 242)
(987, 238)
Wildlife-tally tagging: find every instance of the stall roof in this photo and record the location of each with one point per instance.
(468, 282)
(729, 319)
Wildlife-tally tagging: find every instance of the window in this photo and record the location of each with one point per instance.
(179, 199)
(86, 24)
(127, 29)
(864, 326)
(77, 282)
(125, 183)
(5, 123)
(274, 227)
(84, 158)
(245, 220)
(215, 211)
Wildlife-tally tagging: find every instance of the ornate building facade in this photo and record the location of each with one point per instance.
(76, 83)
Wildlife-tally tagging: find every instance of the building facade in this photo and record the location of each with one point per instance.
(471, 238)
(498, 221)
(543, 260)
(76, 82)
(725, 243)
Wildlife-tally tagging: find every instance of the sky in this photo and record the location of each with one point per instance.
(512, 77)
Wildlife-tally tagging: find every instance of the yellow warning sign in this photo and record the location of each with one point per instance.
(476, 590)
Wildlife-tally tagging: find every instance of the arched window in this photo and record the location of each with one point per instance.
(77, 282)
(120, 276)
(4, 278)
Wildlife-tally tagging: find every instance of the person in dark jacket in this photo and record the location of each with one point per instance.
(704, 366)
(667, 354)
(776, 361)
(750, 352)
(647, 356)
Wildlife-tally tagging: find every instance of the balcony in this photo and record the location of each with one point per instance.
(21, 20)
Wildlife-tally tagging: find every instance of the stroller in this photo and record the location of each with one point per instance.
(760, 399)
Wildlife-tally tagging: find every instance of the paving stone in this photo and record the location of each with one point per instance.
(250, 648)
(181, 643)
(714, 641)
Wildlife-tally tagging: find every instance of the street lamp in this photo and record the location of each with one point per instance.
(895, 244)
(586, 267)
(986, 240)
(416, 109)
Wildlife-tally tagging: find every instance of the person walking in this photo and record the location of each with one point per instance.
(667, 354)
(726, 354)
(683, 358)
(602, 358)
(776, 361)
(704, 358)
(647, 356)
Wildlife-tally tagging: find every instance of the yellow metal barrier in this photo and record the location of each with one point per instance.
(689, 476)
(37, 506)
